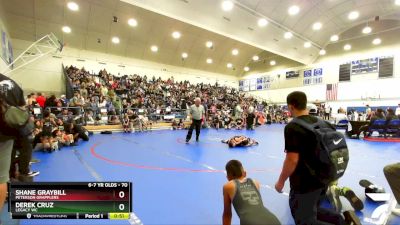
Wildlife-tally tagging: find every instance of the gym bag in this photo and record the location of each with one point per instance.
(331, 150)
(16, 119)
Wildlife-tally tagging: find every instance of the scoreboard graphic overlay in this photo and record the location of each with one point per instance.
(70, 200)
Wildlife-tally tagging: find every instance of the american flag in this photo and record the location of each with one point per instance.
(331, 92)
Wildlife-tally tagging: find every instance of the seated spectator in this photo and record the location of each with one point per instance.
(62, 138)
(374, 116)
(89, 118)
(217, 121)
(397, 113)
(77, 132)
(227, 122)
(77, 101)
(41, 99)
(390, 116)
(114, 120)
(127, 124)
(144, 121)
(340, 116)
(66, 116)
(49, 124)
(239, 123)
(175, 124)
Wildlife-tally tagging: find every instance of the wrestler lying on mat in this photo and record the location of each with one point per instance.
(240, 141)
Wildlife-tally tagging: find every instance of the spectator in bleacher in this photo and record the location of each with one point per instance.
(64, 101)
(238, 110)
(378, 115)
(390, 115)
(89, 119)
(368, 111)
(41, 99)
(114, 120)
(126, 124)
(51, 101)
(65, 115)
(31, 99)
(102, 102)
(77, 100)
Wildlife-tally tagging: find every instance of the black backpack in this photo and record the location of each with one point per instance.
(331, 150)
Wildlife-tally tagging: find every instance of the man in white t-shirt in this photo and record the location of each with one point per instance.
(397, 113)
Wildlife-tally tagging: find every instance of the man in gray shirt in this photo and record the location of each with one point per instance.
(196, 112)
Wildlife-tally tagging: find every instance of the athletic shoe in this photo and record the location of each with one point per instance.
(351, 218)
(355, 202)
(370, 187)
(32, 174)
(396, 210)
(333, 194)
(197, 139)
(187, 141)
(33, 161)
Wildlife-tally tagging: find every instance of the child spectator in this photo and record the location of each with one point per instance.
(244, 194)
(126, 123)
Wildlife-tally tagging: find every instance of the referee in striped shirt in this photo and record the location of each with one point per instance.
(196, 112)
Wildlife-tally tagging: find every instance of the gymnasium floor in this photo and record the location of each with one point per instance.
(178, 183)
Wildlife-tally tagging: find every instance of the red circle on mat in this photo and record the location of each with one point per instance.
(138, 166)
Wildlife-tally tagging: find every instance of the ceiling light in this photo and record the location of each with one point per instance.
(272, 63)
(246, 68)
(235, 52)
(262, 22)
(367, 30)
(209, 44)
(176, 35)
(317, 26)
(184, 55)
(353, 15)
(377, 41)
(66, 29)
(293, 10)
(397, 2)
(227, 5)
(229, 65)
(209, 61)
(256, 58)
(115, 40)
(73, 6)
(334, 37)
(347, 47)
(132, 22)
(307, 44)
(288, 35)
(154, 48)
(322, 52)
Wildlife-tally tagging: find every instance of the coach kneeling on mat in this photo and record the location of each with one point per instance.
(196, 112)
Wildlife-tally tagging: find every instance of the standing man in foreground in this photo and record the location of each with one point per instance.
(197, 113)
(11, 95)
(305, 188)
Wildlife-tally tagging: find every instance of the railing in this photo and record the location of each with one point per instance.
(104, 115)
(112, 116)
